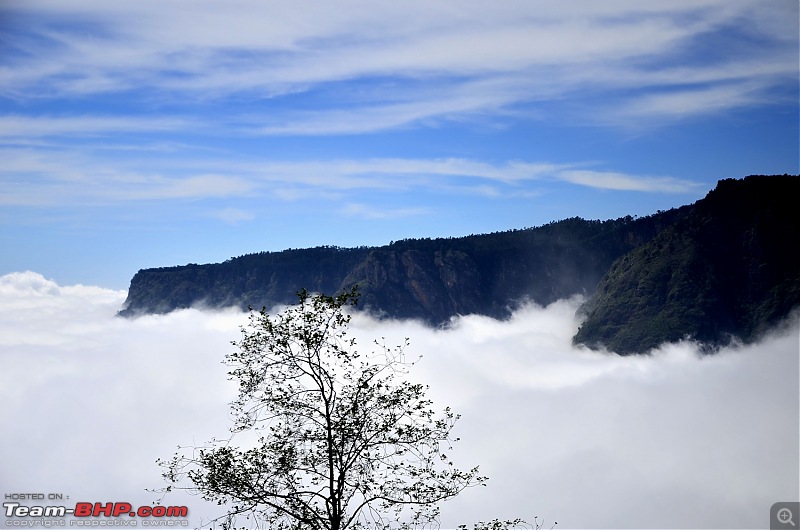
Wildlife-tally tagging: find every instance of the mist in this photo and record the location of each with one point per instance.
(671, 439)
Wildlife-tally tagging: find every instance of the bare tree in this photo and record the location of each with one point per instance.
(344, 440)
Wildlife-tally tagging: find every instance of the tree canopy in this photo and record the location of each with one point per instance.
(341, 440)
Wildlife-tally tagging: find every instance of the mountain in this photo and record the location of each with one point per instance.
(730, 269)
(263, 279)
(427, 279)
(726, 266)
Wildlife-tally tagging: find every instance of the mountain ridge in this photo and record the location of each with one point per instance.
(427, 279)
(491, 274)
(727, 271)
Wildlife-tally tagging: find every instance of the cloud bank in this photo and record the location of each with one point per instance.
(589, 439)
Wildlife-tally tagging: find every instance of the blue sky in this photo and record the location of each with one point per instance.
(156, 133)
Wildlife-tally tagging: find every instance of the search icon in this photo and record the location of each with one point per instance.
(785, 516)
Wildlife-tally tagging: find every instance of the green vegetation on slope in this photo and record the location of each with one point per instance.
(730, 269)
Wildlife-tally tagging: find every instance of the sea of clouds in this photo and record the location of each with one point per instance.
(672, 439)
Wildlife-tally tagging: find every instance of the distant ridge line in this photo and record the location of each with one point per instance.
(653, 279)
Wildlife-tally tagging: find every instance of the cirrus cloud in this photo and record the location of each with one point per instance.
(442, 58)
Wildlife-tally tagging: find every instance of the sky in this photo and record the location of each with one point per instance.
(165, 132)
(587, 439)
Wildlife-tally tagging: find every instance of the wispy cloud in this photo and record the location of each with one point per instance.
(444, 52)
(190, 187)
(56, 177)
(620, 181)
(233, 215)
(687, 102)
(66, 179)
(375, 212)
(18, 126)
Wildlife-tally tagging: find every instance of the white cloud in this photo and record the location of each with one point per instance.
(233, 215)
(374, 212)
(57, 176)
(588, 439)
(193, 186)
(620, 181)
(446, 51)
(12, 126)
(692, 102)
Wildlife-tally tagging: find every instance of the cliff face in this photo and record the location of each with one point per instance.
(417, 284)
(728, 270)
(431, 280)
(726, 266)
(254, 280)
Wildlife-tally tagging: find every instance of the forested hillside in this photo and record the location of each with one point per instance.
(427, 279)
(730, 269)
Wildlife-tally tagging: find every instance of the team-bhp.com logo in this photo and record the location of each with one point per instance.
(97, 509)
(93, 514)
